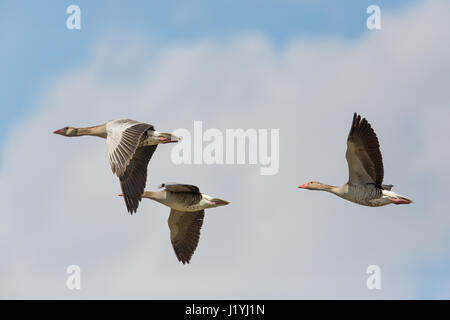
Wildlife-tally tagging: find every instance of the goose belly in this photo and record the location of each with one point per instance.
(185, 202)
(186, 208)
(366, 195)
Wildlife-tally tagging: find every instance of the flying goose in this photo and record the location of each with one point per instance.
(365, 166)
(187, 209)
(130, 145)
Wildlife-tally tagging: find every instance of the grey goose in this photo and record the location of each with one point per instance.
(365, 165)
(130, 146)
(187, 210)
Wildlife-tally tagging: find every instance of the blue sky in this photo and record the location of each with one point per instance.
(36, 45)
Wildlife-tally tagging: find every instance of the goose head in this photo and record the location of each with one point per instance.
(312, 185)
(67, 131)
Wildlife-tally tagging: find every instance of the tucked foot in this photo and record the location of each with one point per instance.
(400, 201)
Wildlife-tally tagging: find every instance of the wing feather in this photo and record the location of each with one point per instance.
(122, 141)
(363, 154)
(185, 232)
(134, 179)
(179, 187)
(128, 160)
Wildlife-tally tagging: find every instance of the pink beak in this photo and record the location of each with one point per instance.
(60, 131)
(304, 186)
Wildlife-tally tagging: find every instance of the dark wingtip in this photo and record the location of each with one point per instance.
(356, 118)
(131, 207)
(182, 258)
(59, 131)
(134, 209)
(355, 122)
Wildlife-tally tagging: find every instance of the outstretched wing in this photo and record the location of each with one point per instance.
(365, 163)
(134, 179)
(185, 232)
(178, 187)
(128, 160)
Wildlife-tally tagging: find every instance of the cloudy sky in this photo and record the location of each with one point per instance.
(302, 67)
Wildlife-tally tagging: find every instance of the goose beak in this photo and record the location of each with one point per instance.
(304, 186)
(60, 131)
(219, 202)
(121, 195)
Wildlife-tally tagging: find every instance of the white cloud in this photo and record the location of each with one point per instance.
(274, 241)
